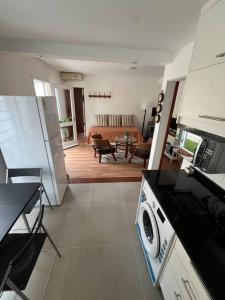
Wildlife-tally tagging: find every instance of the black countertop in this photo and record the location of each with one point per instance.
(195, 207)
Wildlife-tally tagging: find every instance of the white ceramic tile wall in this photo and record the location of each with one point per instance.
(217, 178)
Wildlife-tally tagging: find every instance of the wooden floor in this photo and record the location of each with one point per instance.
(82, 167)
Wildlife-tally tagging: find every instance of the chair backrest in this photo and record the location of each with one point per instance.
(144, 147)
(25, 249)
(34, 231)
(99, 144)
(149, 141)
(3, 168)
(97, 136)
(23, 172)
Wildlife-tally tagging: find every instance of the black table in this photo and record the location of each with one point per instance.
(13, 200)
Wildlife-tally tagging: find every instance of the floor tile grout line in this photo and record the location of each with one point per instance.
(96, 245)
(87, 214)
(129, 227)
(46, 285)
(139, 273)
(85, 232)
(126, 215)
(52, 266)
(90, 246)
(134, 253)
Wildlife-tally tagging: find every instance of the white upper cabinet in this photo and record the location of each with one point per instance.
(205, 94)
(210, 42)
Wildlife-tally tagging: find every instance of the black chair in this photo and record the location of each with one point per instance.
(19, 253)
(28, 172)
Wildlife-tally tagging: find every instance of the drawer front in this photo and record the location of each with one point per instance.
(169, 286)
(189, 273)
(183, 278)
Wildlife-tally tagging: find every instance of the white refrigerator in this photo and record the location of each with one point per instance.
(30, 137)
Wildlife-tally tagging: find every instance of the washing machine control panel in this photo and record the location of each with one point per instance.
(163, 250)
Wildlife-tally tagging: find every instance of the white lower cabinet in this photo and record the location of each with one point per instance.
(179, 280)
(169, 285)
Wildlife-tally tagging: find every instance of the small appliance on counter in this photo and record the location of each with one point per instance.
(208, 149)
(191, 207)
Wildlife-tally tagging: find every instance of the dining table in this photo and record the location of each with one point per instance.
(14, 197)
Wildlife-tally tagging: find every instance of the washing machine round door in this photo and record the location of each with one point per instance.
(149, 229)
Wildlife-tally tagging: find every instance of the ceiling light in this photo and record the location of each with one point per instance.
(132, 68)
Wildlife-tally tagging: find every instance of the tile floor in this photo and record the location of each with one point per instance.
(101, 255)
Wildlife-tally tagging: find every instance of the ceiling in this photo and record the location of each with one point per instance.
(162, 25)
(104, 68)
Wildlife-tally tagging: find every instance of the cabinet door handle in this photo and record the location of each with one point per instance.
(214, 118)
(178, 296)
(222, 54)
(188, 289)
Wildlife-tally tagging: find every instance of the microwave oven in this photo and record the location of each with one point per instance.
(209, 156)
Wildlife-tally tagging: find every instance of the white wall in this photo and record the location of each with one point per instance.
(17, 71)
(179, 66)
(128, 93)
(176, 70)
(178, 98)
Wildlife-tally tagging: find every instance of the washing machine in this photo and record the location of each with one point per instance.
(155, 232)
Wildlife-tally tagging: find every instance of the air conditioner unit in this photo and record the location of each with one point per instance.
(71, 76)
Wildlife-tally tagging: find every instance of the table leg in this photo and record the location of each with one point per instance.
(126, 150)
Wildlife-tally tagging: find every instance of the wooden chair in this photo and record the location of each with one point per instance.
(96, 136)
(103, 147)
(142, 150)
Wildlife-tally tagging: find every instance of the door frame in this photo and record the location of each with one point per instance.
(160, 132)
(84, 111)
(177, 83)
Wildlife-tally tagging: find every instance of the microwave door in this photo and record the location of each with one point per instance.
(199, 152)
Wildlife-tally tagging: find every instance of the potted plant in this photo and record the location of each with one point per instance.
(126, 135)
(65, 130)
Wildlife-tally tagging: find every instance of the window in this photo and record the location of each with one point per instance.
(190, 141)
(42, 88)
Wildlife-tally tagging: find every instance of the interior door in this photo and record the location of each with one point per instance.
(67, 118)
(80, 110)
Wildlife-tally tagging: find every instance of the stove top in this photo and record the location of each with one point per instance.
(195, 207)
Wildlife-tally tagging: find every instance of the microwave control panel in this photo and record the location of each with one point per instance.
(207, 155)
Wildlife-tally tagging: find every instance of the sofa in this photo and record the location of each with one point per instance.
(111, 126)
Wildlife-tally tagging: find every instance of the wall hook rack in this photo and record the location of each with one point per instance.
(100, 95)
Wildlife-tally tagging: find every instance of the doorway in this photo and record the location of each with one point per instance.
(170, 158)
(80, 112)
(66, 111)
